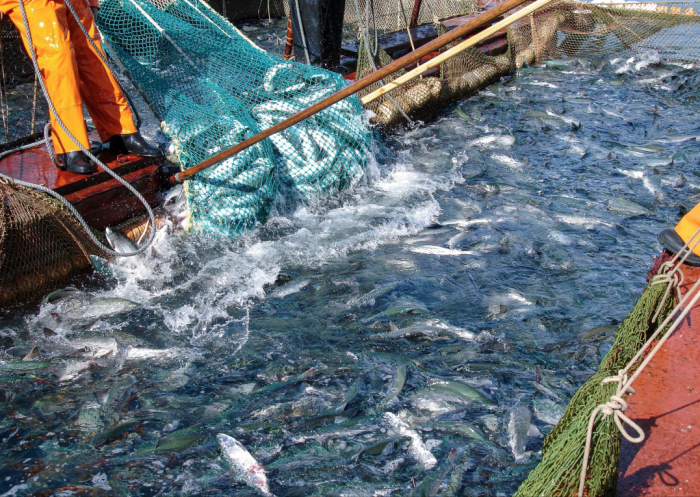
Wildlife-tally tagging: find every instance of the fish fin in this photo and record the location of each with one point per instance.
(393, 327)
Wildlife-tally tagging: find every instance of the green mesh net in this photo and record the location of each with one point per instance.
(213, 88)
(559, 471)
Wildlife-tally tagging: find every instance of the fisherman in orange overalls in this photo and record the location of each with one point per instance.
(74, 74)
(674, 239)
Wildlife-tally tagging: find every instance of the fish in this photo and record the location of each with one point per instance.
(349, 396)
(412, 332)
(369, 297)
(115, 433)
(285, 290)
(440, 251)
(604, 348)
(396, 386)
(109, 306)
(243, 465)
(173, 196)
(430, 486)
(400, 359)
(459, 428)
(119, 241)
(105, 268)
(31, 355)
(374, 449)
(178, 441)
(59, 295)
(596, 333)
(461, 113)
(459, 389)
(520, 427)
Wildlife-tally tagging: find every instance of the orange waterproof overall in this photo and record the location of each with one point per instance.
(72, 70)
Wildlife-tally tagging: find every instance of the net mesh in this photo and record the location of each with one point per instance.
(562, 454)
(598, 31)
(40, 243)
(213, 88)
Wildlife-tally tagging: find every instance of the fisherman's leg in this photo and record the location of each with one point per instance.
(100, 91)
(56, 60)
(674, 239)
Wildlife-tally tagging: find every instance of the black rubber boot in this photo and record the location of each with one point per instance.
(673, 243)
(133, 144)
(75, 162)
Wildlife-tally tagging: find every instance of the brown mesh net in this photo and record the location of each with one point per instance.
(599, 31)
(41, 244)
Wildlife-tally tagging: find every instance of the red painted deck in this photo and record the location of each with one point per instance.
(102, 201)
(667, 407)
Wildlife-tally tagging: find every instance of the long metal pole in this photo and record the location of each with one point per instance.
(385, 71)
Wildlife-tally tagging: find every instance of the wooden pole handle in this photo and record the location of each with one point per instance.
(385, 71)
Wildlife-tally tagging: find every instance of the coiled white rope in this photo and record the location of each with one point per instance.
(673, 276)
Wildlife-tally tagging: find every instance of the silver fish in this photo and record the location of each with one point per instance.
(59, 294)
(244, 467)
(520, 427)
(119, 241)
(283, 291)
(396, 385)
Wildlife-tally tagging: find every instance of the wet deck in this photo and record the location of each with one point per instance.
(667, 407)
(102, 201)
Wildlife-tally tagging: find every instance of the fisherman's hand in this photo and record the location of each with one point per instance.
(95, 11)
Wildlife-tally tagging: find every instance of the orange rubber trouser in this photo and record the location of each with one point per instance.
(72, 71)
(687, 227)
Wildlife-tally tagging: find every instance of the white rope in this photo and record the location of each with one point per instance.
(616, 405)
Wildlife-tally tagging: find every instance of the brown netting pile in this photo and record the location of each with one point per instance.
(456, 78)
(41, 243)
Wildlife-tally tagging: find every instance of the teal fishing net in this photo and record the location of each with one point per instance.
(213, 88)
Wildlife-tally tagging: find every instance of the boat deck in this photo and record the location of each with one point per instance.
(101, 200)
(667, 407)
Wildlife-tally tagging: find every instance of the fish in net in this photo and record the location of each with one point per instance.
(213, 88)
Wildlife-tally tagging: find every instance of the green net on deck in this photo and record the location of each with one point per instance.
(562, 454)
(213, 88)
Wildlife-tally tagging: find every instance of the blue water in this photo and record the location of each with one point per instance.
(489, 237)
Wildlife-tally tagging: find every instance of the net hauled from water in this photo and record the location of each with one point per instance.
(213, 88)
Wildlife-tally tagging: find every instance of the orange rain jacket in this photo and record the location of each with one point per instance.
(72, 70)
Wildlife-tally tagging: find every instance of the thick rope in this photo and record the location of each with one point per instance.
(301, 32)
(86, 151)
(616, 405)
